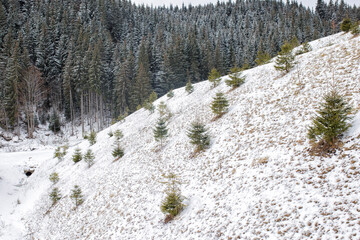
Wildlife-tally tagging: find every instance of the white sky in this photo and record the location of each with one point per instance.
(309, 3)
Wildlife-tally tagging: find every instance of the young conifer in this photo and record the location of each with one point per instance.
(54, 177)
(89, 157)
(285, 60)
(161, 131)
(92, 138)
(77, 157)
(77, 196)
(220, 104)
(214, 77)
(331, 120)
(170, 94)
(198, 136)
(55, 196)
(262, 58)
(235, 78)
(189, 87)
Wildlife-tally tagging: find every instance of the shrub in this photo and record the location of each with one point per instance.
(77, 157)
(92, 138)
(235, 78)
(54, 177)
(89, 157)
(172, 205)
(198, 136)
(55, 196)
(77, 196)
(331, 120)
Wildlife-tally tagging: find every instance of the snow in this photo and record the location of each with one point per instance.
(257, 179)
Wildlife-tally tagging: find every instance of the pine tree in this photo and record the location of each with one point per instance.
(346, 25)
(92, 138)
(189, 87)
(170, 94)
(54, 177)
(220, 104)
(285, 60)
(77, 157)
(118, 152)
(214, 77)
(172, 205)
(55, 195)
(198, 136)
(161, 131)
(59, 154)
(77, 196)
(164, 111)
(331, 120)
(89, 158)
(262, 58)
(54, 124)
(235, 78)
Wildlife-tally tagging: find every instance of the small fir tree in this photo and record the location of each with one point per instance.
(55, 195)
(305, 47)
(138, 107)
(262, 58)
(89, 158)
(153, 96)
(172, 205)
(77, 157)
(92, 138)
(149, 106)
(355, 29)
(54, 124)
(59, 154)
(161, 131)
(118, 152)
(164, 111)
(346, 25)
(220, 104)
(170, 94)
(77, 196)
(331, 120)
(285, 61)
(54, 177)
(198, 136)
(214, 77)
(189, 87)
(294, 42)
(235, 78)
(118, 134)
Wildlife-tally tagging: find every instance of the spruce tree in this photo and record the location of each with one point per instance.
(220, 104)
(262, 58)
(55, 195)
(54, 177)
(92, 138)
(170, 94)
(54, 124)
(285, 60)
(89, 158)
(235, 78)
(332, 120)
(198, 136)
(214, 77)
(161, 131)
(189, 87)
(77, 196)
(77, 157)
(346, 25)
(172, 205)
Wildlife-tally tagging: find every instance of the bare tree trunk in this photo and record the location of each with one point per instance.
(82, 112)
(71, 113)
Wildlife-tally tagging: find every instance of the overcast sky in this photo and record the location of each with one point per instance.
(309, 3)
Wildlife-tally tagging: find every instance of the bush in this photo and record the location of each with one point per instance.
(198, 136)
(172, 205)
(77, 157)
(89, 157)
(55, 196)
(77, 196)
(54, 177)
(92, 138)
(331, 120)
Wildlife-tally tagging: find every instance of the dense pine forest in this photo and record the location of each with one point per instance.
(93, 60)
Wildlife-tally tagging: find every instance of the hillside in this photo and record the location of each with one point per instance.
(257, 179)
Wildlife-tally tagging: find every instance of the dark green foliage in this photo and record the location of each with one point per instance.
(77, 196)
(77, 157)
(355, 29)
(89, 157)
(118, 134)
(235, 78)
(214, 77)
(285, 60)
(149, 106)
(54, 124)
(294, 42)
(161, 131)
(59, 154)
(332, 120)
(172, 205)
(92, 138)
(198, 136)
(220, 104)
(262, 58)
(189, 87)
(118, 152)
(305, 47)
(170, 94)
(54, 177)
(55, 195)
(346, 25)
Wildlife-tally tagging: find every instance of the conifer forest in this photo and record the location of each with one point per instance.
(93, 60)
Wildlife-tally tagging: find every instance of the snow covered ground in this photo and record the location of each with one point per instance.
(256, 181)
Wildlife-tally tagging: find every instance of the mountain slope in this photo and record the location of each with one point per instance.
(257, 179)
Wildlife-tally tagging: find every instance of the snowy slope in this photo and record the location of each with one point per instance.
(256, 181)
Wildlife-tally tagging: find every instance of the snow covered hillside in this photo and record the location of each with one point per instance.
(256, 181)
